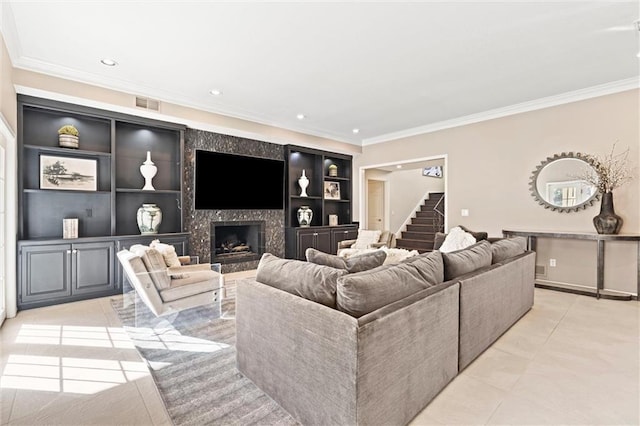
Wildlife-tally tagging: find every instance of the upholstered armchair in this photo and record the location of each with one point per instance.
(370, 239)
(168, 289)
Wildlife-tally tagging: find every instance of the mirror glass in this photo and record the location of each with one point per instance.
(557, 184)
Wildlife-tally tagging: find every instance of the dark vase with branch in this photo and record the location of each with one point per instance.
(609, 172)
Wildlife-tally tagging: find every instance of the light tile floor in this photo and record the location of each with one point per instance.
(570, 360)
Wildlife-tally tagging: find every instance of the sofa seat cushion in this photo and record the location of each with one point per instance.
(358, 263)
(305, 279)
(196, 283)
(155, 264)
(507, 248)
(364, 292)
(467, 260)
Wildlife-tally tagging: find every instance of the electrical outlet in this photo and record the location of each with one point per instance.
(552, 263)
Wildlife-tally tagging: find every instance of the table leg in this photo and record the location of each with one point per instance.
(600, 268)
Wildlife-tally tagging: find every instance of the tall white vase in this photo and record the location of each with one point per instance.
(303, 181)
(148, 171)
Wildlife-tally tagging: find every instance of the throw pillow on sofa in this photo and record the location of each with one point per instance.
(430, 265)
(509, 247)
(358, 263)
(364, 292)
(440, 236)
(305, 279)
(467, 260)
(457, 239)
(168, 252)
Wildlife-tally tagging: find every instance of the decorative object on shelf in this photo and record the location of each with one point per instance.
(609, 172)
(148, 170)
(68, 136)
(332, 190)
(305, 214)
(149, 218)
(333, 220)
(78, 174)
(70, 228)
(333, 170)
(303, 181)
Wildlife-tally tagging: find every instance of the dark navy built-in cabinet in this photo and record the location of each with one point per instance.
(53, 269)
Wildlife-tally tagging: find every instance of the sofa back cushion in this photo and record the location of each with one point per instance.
(507, 248)
(155, 264)
(460, 262)
(305, 279)
(357, 263)
(364, 292)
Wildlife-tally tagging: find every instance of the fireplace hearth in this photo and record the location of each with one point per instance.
(237, 241)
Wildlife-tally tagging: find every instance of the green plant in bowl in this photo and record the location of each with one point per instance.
(68, 130)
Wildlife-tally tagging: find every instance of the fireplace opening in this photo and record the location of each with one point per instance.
(237, 241)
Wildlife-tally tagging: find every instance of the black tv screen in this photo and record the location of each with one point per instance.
(234, 182)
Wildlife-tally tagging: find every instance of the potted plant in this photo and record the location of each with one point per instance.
(68, 136)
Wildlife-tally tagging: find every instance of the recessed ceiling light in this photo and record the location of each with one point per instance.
(301, 116)
(108, 62)
(356, 131)
(215, 92)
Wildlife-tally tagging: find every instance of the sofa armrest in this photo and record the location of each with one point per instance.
(346, 243)
(378, 245)
(185, 269)
(301, 353)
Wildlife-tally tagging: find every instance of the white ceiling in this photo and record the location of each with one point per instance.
(387, 68)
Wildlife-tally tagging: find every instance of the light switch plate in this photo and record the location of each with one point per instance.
(464, 212)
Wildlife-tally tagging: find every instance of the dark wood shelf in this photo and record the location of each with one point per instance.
(329, 200)
(337, 178)
(63, 191)
(67, 151)
(297, 197)
(142, 191)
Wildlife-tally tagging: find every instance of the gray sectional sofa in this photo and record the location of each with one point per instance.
(374, 347)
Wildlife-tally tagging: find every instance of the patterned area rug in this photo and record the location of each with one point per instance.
(191, 356)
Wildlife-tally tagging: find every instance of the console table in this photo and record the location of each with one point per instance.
(599, 238)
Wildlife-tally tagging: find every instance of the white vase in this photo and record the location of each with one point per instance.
(149, 218)
(305, 214)
(303, 181)
(148, 171)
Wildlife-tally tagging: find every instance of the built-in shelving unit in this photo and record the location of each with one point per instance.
(320, 234)
(54, 270)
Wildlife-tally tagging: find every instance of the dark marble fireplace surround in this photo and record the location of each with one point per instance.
(198, 222)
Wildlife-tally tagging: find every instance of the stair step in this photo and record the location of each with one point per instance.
(422, 221)
(409, 244)
(421, 228)
(426, 213)
(423, 236)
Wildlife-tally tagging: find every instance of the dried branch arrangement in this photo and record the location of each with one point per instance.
(609, 171)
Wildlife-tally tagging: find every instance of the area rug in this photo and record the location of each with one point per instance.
(191, 356)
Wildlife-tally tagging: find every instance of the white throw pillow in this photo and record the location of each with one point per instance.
(168, 253)
(366, 238)
(457, 239)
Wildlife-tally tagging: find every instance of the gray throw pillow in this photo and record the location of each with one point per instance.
(438, 239)
(308, 280)
(430, 265)
(509, 247)
(460, 262)
(353, 264)
(364, 292)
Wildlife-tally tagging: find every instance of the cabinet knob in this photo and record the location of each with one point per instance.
(74, 251)
(68, 251)
(315, 234)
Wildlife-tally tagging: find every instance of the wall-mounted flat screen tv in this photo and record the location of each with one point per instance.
(235, 182)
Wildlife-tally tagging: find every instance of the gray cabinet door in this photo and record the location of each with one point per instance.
(45, 272)
(315, 237)
(93, 265)
(341, 234)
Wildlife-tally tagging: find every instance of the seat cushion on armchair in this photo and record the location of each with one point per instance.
(358, 263)
(196, 283)
(305, 279)
(366, 238)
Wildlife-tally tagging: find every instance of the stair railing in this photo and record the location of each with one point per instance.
(438, 217)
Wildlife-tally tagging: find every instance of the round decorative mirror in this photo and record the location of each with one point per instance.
(557, 184)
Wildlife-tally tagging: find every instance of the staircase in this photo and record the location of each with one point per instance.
(427, 221)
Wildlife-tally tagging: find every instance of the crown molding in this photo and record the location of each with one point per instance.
(564, 98)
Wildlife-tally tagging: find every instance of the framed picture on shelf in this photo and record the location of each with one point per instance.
(75, 174)
(332, 190)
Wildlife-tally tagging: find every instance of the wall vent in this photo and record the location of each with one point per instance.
(541, 270)
(147, 103)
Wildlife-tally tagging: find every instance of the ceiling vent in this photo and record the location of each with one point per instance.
(146, 103)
